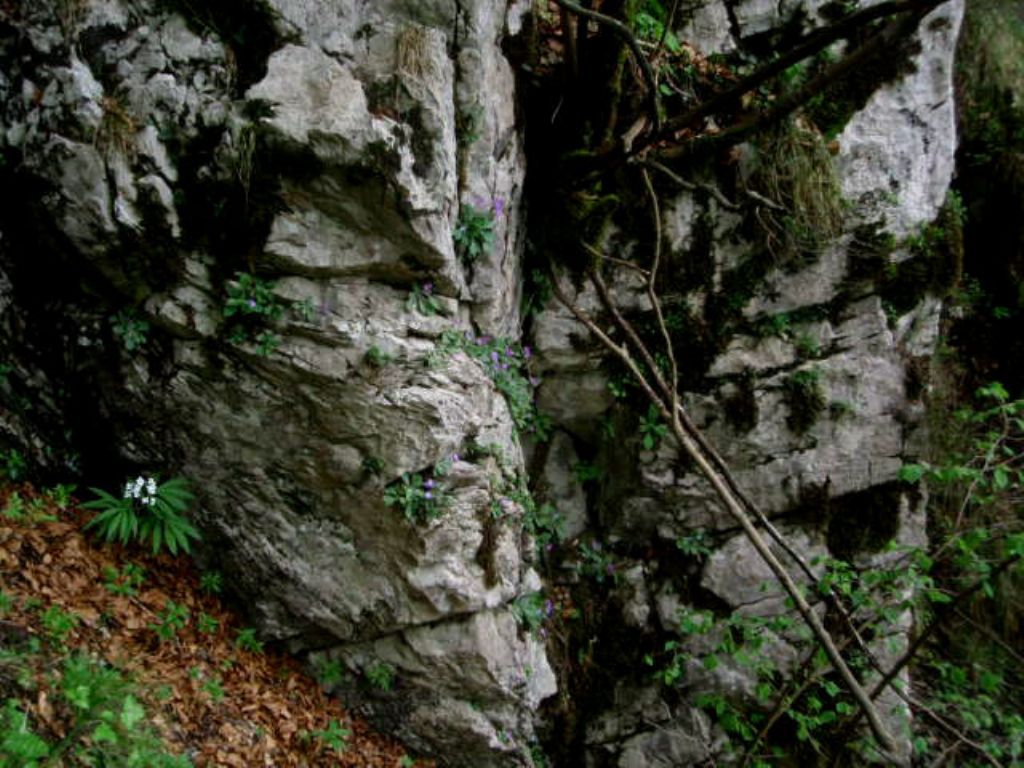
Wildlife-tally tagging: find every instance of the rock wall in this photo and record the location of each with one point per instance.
(162, 151)
(827, 333)
(162, 154)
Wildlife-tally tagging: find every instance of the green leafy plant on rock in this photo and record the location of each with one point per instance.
(131, 330)
(246, 640)
(474, 233)
(253, 305)
(381, 675)
(652, 429)
(507, 363)
(13, 465)
(330, 672)
(805, 398)
(420, 498)
(422, 300)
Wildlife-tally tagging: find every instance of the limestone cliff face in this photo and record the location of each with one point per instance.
(808, 385)
(158, 154)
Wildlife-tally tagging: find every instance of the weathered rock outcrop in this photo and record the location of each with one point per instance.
(163, 155)
(163, 150)
(808, 385)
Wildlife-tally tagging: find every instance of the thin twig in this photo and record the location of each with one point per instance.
(653, 297)
(621, 262)
(991, 636)
(665, 29)
(941, 759)
(690, 185)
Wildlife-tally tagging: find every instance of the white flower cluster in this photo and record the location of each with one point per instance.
(143, 489)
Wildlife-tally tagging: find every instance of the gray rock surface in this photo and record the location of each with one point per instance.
(340, 173)
(817, 320)
(332, 155)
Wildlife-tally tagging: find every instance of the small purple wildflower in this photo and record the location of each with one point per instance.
(534, 381)
(428, 288)
(428, 495)
(549, 607)
(456, 457)
(252, 303)
(509, 352)
(504, 366)
(499, 207)
(429, 483)
(549, 547)
(494, 356)
(527, 353)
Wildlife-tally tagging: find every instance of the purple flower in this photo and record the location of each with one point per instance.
(534, 381)
(504, 366)
(429, 483)
(499, 207)
(428, 495)
(549, 547)
(494, 356)
(549, 607)
(456, 457)
(252, 303)
(428, 288)
(527, 353)
(509, 352)
(483, 340)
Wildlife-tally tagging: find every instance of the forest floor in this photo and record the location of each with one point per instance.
(165, 661)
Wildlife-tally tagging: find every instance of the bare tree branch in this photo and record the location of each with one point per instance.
(814, 42)
(890, 35)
